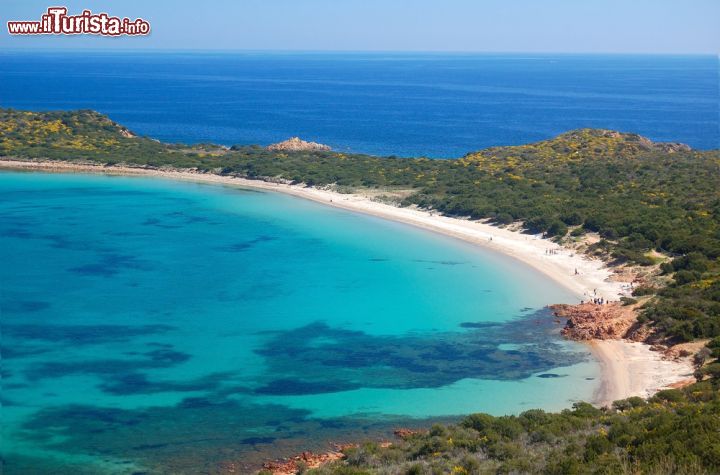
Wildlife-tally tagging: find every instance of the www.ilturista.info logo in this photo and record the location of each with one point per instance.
(57, 22)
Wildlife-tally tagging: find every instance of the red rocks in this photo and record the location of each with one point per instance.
(589, 321)
(306, 460)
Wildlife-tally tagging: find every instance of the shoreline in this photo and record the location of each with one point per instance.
(527, 248)
(627, 368)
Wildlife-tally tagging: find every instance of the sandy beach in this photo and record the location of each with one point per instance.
(628, 368)
(633, 369)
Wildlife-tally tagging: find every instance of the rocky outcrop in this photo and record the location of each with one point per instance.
(126, 133)
(589, 321)
(306, 460)
(294, 144)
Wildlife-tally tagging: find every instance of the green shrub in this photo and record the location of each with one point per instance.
(643, 290)
(670, 395)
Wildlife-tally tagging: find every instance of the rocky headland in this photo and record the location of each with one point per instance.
(590, 321)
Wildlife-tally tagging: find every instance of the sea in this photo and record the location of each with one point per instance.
(157, 326)
(433, 105)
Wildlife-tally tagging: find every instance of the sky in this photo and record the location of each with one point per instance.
(564, 26)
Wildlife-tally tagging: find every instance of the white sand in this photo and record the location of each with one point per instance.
(632, 369)
(628, 368)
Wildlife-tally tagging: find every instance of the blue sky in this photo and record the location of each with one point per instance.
(595, 26)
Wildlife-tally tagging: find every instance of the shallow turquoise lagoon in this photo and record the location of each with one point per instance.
(169, 327)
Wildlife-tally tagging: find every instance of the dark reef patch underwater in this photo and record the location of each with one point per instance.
(317, 358)
(159, 327)
(217, 423)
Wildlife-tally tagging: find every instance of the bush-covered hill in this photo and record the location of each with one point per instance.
(641, 197)
(674, 432)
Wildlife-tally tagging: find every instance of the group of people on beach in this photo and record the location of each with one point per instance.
(551, 252)
(596, 300)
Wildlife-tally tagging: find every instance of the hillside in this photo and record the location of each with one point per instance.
(673, 432)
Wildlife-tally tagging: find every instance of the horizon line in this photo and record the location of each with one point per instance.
(349, 51)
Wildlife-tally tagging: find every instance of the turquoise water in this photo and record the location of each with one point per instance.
(170, 327)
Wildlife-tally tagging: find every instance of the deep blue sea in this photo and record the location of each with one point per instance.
(436, 105)
(152, 325)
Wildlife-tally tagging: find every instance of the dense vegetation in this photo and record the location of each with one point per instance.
(644, 200)
(676, 431)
